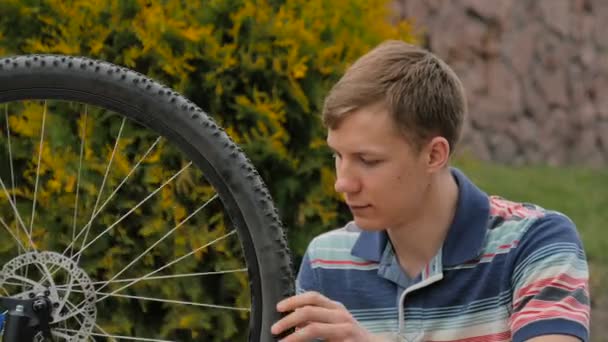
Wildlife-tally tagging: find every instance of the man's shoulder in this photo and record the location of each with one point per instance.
(513, 223)
(512, 210)
(345, 236)
(332, 250)
(505, 212)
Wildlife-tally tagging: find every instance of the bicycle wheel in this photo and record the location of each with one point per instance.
(127, 204)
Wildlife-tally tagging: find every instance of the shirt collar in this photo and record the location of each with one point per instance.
(465, 236)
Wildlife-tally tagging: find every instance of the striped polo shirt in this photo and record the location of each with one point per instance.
(506, 272)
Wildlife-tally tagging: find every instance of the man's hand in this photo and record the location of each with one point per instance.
(317, 317)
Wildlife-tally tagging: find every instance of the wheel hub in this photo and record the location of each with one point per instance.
(72, 303)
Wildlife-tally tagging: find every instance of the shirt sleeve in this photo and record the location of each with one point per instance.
(306, 279)
(550, 282)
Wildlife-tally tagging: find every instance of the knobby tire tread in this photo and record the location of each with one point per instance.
(171, 115)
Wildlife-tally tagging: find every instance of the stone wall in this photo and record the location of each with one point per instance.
(536, 74)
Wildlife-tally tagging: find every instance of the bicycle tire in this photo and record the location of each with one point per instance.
(197, 135)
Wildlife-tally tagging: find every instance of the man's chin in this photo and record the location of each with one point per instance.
(369, 225)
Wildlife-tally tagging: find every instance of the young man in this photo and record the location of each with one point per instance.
(428, 256)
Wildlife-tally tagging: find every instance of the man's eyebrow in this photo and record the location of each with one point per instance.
(358, 152)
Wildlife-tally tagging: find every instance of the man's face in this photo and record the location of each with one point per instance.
(381, 177)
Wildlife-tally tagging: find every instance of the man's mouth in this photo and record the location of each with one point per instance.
(358, 206)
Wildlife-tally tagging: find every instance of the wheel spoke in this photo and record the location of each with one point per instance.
(23, 280)
(19, 244)
(38, 167)
(160, 240)
(173, 276)
(162, 300)
(168, 265)
(64, 301)
(103, 333)
(75, 310)
(132, 210)
(124, 180)
(41, 144)
(12, 284)
(57, 332)
(172, 301)
(45, 269)
(10, 161)
(80, 158)
(111, 196)
(19, 219)
(12, 170)
(103, 183)
(66, 336)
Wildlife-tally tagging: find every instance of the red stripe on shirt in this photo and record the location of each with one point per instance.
(503, 336)
(342, 262)
(507, 246)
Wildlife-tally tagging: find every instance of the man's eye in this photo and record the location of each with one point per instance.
(370, 162)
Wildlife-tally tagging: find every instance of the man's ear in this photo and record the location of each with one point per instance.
(437, 153)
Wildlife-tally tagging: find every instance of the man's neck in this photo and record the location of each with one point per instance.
(416, 244)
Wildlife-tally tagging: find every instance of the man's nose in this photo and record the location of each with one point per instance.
(346, 181)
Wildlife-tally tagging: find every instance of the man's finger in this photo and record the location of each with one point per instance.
(307, 298)
(308, 314)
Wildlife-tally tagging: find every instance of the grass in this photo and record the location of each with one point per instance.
(581, 193)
